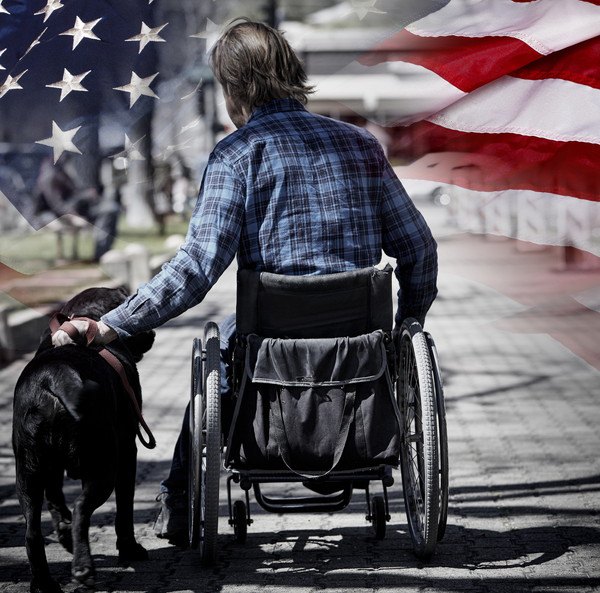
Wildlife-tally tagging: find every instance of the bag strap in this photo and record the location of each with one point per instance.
(60, 321)
(284, 446)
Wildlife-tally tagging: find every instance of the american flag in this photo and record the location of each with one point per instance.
(80, 83)
(508, 121)
(66, 68)
(509, 113)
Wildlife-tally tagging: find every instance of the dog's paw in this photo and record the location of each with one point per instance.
(44, 586)
(84, 575)
(131, 552)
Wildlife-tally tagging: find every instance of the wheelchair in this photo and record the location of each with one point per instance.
(288, 322)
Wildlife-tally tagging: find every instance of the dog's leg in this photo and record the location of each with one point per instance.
(94, 493)
(129, 549)
(30, 491)
(61, 515)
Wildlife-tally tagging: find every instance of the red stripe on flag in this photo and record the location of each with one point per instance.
(7, 274)
(531, 279)
(579, 63)
(465, 62)
(493, 162)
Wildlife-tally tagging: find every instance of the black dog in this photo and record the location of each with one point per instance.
(71, 412)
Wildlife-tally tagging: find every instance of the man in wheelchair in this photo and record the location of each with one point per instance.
(290, 193)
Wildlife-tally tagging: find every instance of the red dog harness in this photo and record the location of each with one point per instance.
(65, 325)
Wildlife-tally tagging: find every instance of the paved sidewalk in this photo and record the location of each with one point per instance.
(523, 417)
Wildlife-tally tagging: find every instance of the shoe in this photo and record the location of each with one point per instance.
(172, 520)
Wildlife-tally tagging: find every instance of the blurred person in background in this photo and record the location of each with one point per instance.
(57, 196)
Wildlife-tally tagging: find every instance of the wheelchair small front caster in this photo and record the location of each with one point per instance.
(240, 521)
(378, 517)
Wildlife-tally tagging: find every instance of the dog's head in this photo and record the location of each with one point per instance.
(95, 302)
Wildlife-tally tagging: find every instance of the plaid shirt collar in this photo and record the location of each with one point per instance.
(275, 106)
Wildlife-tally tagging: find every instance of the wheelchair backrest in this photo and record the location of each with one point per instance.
(320, 306)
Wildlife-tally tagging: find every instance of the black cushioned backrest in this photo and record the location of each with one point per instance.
(325, 306)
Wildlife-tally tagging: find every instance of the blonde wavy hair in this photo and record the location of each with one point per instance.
(254, 63)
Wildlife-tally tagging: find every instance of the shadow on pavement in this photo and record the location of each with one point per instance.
(525, 489)
(346, 558)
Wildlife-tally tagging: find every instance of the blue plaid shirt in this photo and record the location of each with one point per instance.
(294, 193)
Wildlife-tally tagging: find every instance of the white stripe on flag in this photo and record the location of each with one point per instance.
(554, 109)
(545, 25)
(538, 217)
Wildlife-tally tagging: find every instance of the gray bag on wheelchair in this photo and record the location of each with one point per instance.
(314, 405)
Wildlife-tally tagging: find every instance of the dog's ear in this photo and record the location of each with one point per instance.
(139, 344)
(122, 290)
(45, 341)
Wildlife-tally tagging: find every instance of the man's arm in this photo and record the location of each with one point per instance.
(210, 246)
(406, 237)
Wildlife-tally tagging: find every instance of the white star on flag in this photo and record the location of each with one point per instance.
(147, 35)
(70, 82)
(131, 149)
(82, 31)
(61, 141)
(35, 42)
(2, 9)
(192, 124)
(192, 93)
(11, 84)
(172, 148)
(1, 52)
(50, 7)
(363, 7)
(138, 87)
(211, 29)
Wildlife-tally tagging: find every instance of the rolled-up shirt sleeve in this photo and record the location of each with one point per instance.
(211, 244)
(406, 237)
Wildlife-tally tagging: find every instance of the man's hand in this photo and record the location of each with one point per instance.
(105, 333)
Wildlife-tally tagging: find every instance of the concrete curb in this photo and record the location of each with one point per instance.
(20, 331)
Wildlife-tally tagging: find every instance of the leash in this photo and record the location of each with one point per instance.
(62, 322)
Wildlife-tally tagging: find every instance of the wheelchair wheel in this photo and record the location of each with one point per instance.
(211, 450)
(443, 437)
(195, 445)
(205, 445)
(419, 450)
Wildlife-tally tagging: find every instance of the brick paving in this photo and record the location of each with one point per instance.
(523, 419)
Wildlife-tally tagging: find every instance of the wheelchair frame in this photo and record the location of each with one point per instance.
(423, 454)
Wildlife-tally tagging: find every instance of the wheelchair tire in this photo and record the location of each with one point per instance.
(443, 437)
(195, 445)
(211, 450)
(378, 517)
(419, 449)
(240, 524)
